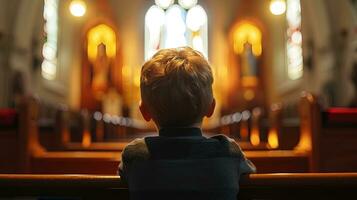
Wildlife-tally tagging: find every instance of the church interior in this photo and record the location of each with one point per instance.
(285, 84)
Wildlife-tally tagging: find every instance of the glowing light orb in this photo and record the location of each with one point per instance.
(77, 8)
(277, 7)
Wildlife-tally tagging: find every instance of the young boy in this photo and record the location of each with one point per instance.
(176, 93)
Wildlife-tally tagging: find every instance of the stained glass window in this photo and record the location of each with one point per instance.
(49, 50)
(294, 40)
(169, 25)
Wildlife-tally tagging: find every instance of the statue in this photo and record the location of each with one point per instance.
(248, 61)
(101, 67)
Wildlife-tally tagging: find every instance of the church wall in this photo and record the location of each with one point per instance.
(344, 43)
(70, 53)
(220, 17)
(2, 55)
(316, 30)
(8, 11)
(322, 22)
(27, 46)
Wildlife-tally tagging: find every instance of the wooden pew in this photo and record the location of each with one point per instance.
(96, 127)
(266, 157)
(253, 186)
(34, 158)
(330, 135)
(8, 138)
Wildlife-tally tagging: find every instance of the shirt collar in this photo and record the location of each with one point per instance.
(180, 132)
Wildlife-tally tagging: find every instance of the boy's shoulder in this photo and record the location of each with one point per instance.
(136, 149)
(234, 147)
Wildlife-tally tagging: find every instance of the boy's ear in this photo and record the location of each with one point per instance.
(211, 108)
(144, 111)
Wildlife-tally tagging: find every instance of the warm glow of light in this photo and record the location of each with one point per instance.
(126, 71)
(196, 18)
(249, 95)
(101, 34)
(77, 8)
(277, 7)
(66, 136)
(137, 80)
(86, 140)
(305, 141)
(249, 81)
(187, 4)
(273, 139)
(247, 32)
(244, 131)
(197, 44)
(254, 137)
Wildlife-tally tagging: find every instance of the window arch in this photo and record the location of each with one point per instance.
(101, 33)
(169, 25)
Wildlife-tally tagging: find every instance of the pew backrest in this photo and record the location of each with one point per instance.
(254, 186)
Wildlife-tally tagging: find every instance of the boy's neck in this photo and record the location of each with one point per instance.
(195, 125)
(180, 131)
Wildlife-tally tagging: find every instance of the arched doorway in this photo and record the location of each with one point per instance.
(101, 69)
(246, 71)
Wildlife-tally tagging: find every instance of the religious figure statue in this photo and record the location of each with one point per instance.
(248, 61)
(101, 67)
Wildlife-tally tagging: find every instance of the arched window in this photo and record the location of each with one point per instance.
(294, 40)
(49, 50)
(169, 25)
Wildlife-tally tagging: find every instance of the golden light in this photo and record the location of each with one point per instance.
(273, 140)
(247, 33)
(101, 34)
(86, 140)
(254, 137)
(249, 95)
(277, 7)
(250, 81)
(78, 8)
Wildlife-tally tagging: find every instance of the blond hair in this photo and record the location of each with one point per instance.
(176, 86)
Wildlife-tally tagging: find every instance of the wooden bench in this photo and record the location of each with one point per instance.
(330, 135)
(253, 186)
(8, 138)
(36, 159)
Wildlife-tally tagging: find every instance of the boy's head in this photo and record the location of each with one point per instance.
(176, 88)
